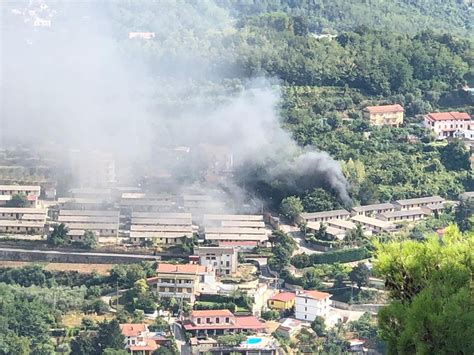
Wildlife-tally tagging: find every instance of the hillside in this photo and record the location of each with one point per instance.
(410, 16)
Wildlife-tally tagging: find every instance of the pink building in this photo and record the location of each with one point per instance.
(446, 124)
(221, 321)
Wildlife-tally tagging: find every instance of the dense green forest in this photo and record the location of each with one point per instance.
(325, 82)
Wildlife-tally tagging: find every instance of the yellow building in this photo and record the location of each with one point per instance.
(386, 115)
(282, 301)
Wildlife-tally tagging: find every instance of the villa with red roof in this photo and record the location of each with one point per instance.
(385, 115)
(447, 124)
(138, 339)
(203, 323)
(309, 304)
(282, 301)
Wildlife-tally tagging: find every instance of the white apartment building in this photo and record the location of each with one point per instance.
(446, 124)
(223, 259)
(310, 304)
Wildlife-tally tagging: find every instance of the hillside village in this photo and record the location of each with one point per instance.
(259, 178)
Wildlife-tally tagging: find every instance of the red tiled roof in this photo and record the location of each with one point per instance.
(248, 322)
(317, 295)
(150, 346)
(447, 116)
(132, 330)
(384, 108)
(243, 322)
(180, 268)
(283, 297)
(212, 313)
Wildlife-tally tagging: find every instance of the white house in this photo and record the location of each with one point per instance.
(138, 339)
(446, 124)
(223, 259)
(310, 304)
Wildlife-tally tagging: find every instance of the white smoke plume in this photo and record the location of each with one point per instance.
(82, 83)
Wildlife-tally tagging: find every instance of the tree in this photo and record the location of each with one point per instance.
(18, 201)
(231, 339)
(109, 351)
(319, 200)
(140, 287)
(356, 235)
(455, 156)
(110, 336)
(59, 235)
(159, 325)
(431, 309)
(271, 314)
(463, 214)
(89, 241)
(360, 275)
(83, 344)
(291, 207)
(319, 326)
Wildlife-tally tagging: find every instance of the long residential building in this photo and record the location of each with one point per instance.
(183, 281)
(162, 228)
(410, 215)
(324, 216)
(203, 323)
(24, 214)
(102, 223)
(372, 210)
(31, 193)
(21, 227)
(418, 202)
(374, 224)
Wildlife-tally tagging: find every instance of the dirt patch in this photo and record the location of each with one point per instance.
(101, 269)
(74, 319)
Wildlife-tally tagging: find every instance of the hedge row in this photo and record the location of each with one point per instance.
(338, 256)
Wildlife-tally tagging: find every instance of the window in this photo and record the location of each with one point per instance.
(305, 300)
(305, 316)
(217, 320)
(198, 320)
(306, 309)
(227, 320)
(227, 263)
(208, 320)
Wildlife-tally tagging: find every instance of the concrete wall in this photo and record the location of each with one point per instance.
(71, 257)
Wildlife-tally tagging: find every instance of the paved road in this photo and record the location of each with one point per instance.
(39, 251)
(180, 338)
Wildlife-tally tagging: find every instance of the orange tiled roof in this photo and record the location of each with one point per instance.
(150, 346)
(180, 268)
(283, 297)
(447, 116)
(132, 330)
(384, 108)
(317, 295)
(212, 313)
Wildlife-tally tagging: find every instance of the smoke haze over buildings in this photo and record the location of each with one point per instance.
(82, 83)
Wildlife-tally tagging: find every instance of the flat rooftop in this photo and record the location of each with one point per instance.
(419, 200)
(89, 213)
(162, 221)
(325, 214)
(161, 228)
(17, 223)
(163, 215)
(92, 226)
(20, 188)
(233, 217)
(244, 224)
(374, 207)
(88, 219)
(232, 230)
(23, 210)
(364, 220)
(405, 213)
(342, 223)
